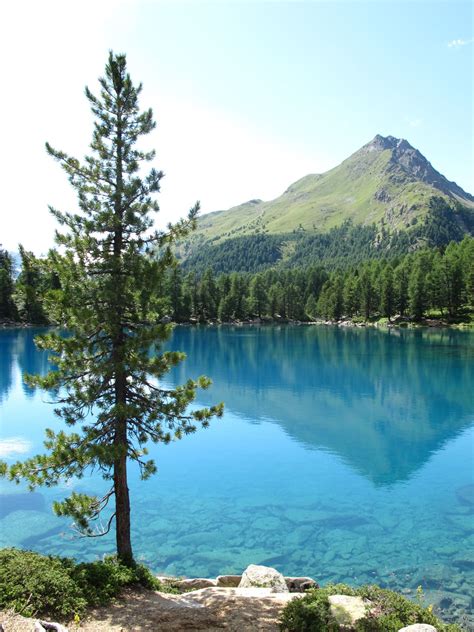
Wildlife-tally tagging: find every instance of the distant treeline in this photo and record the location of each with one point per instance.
(432, 279)
(24, 298)
(342, 246)
(410, 285)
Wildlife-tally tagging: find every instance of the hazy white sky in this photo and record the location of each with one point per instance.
(249, 96)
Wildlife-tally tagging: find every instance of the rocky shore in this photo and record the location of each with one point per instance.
(251, 602)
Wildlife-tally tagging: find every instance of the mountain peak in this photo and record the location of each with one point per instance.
(412, 163)
(379, 143)
(386, 182)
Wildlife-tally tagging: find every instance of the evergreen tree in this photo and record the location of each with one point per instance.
(208, 296)
(349, 295)
(106, 378)
(400, 280)
(258, 296)
(174, 291)
(466, 248)
(237, 297)
(275, 300)
(453, 278)
(226, 309)
(330, 303)
(30, 289)
(417, 288)
(387, 295)
(366, 291)
(311, 308)
(7, 306)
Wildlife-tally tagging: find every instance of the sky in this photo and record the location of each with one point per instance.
(249, 95)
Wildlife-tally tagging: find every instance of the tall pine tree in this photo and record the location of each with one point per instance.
(107, 381)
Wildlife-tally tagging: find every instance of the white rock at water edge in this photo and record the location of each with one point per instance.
(256, 576)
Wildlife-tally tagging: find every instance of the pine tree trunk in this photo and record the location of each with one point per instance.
(122, 509)
(122, 498)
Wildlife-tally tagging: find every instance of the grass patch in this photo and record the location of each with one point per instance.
(50, 586)
(391, 612)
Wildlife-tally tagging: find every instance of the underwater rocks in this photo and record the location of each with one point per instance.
(465, 495)
(31, 501)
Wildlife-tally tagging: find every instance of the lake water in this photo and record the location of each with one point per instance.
(343, 454)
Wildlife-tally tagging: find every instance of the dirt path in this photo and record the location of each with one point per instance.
(209, 609)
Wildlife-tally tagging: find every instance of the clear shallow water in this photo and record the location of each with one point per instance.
(344, 454)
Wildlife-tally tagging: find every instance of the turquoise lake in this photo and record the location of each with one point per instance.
(344, 454)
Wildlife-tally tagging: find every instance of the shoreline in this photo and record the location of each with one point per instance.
(426, 323)
(401, 323)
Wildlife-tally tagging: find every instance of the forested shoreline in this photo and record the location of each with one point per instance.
(435, 282)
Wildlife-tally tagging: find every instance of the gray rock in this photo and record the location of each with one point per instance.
(228, 581)
(263, 577)
(418, 627)
(195, 584)
(300, 584)
(348, 610)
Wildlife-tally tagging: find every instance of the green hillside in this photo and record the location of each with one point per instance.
(386, 183)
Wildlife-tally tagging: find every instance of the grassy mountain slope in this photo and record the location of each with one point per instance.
(387, 178)
(386, 183)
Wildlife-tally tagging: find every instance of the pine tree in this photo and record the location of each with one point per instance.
(7, 306)
(110, 393)
(349, 295)
(453, 278)
(466, 248)
(30, 289)
(400, 279)
(387, 295)
(417, 287)
(237, 297)
(174, 291)
(311, 309)
(366, 291)
(209, 295)
(275, 299)
(258, 296)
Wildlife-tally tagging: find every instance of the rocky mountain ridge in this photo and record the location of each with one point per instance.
(386, 182)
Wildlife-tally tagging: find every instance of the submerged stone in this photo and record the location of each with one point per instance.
(465, 560)
(465, 495)
(464, 522)
(31, 501)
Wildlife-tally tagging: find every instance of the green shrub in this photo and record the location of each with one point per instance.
(34, 584)
(391, 612)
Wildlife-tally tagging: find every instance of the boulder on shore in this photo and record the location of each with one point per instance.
(196, 583)
(300, 584)
(228, 581)
(256, 576)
